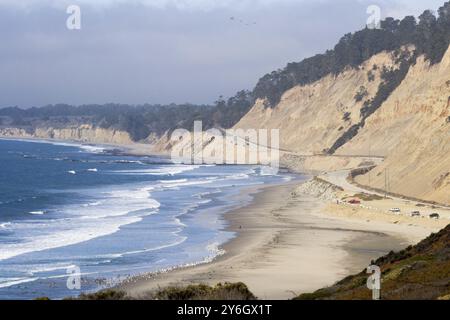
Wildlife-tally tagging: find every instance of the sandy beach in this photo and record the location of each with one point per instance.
(289, 243)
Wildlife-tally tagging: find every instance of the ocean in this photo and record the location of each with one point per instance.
(68, 208)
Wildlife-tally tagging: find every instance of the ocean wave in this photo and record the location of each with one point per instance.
(78, 232)
(81, 223)
(89, 148)
(128, 253)
(9, 282)
(186, 183)
(92, 204)
(92, 148)
(238, 176)
(214, 251)
(38, 213)
(5, 225)
(49, 268)
(162, 171)
(128, 161)
(173, 181)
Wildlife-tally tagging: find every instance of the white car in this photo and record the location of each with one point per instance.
(395, 210)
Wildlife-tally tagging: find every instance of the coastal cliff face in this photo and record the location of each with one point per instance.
(83, 133)
(312, 117)
(411, 128)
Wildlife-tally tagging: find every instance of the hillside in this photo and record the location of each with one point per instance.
(421, 272)
(411, 129)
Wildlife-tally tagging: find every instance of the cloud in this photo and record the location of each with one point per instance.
(163, 51)
(192, 5)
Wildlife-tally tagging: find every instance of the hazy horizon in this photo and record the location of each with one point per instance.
(163, 51)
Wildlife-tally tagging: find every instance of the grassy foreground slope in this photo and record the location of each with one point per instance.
(417, 273)
(226, 291)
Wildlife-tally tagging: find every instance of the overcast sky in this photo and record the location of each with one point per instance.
(163, 51)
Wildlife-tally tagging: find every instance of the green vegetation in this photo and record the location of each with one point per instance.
(368, 197)
(105, 295)
(418, 272)
(138, 121)
(226, 291)
(361, 94)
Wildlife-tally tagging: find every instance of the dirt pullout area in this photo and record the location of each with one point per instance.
(350, 202)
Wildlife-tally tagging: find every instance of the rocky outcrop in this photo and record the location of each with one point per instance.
(319, 188)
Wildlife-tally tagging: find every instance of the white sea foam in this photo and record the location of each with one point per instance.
(49, 268)
(89, 148)
(214, 249)
(163, 171)
(92, 204)
(128, 253)
(121, 207)
(107, 212)
(173, 181)
(39, 213)
(129, 161)
(92, 149)
(8, 282)
(5, 225)
(93, 170)
(187, 183)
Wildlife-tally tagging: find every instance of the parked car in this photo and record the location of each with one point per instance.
(434, 216)
(415, 214)
(354, 201)
(395, 210)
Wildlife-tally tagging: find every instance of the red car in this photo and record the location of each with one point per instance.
(354, 201)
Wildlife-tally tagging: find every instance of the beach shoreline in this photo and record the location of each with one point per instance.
(286, 245)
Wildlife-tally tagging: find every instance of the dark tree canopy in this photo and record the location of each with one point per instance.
(430, 35)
